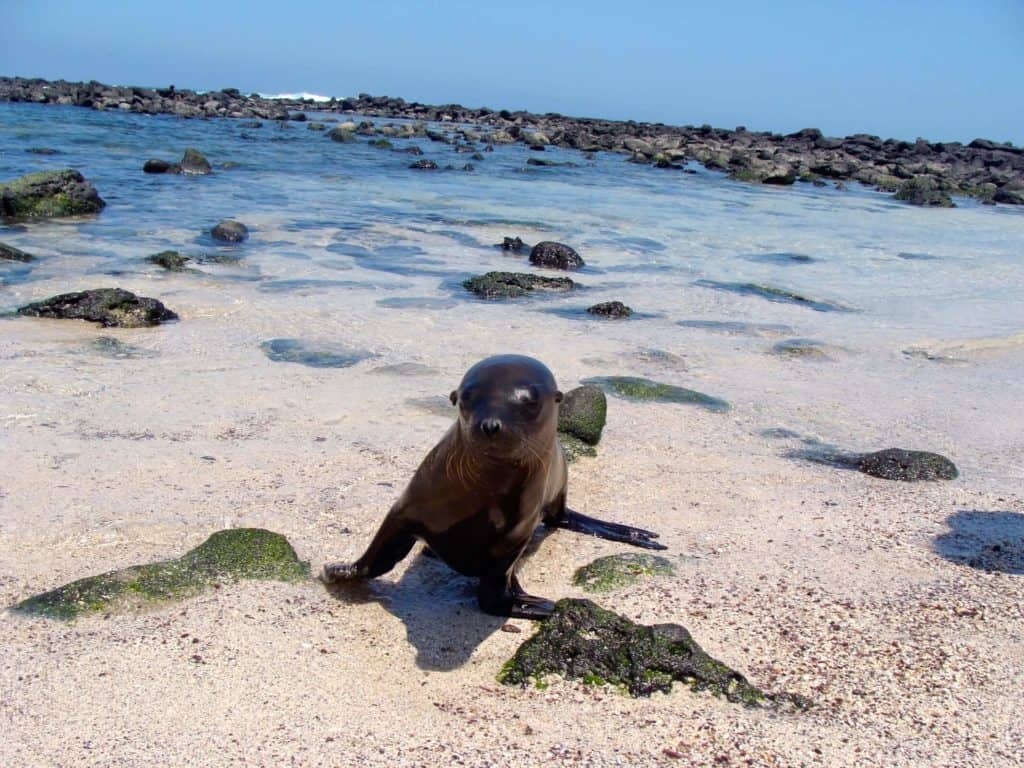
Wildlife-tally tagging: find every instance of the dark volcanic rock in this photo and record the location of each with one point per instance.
(10, 253)
(194, 164)
(514, 244)
(583, 412)
(614, 309)
(49, 194)
(923, 191)
(111, 307)
(911, 466)
(582, 641)
(555, 256)
(424, 165)
(170, 260)
(506, 285)
(160, 166)
(230, 231)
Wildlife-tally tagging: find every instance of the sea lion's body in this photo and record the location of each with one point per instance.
(479, 495)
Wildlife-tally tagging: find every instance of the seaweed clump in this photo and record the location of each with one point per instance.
(230, 555)
(583, 641)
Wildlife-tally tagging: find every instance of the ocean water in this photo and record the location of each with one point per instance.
(918, 314)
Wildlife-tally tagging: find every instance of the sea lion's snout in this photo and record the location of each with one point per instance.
(490, 427)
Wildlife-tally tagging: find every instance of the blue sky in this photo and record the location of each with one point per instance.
(900, 68)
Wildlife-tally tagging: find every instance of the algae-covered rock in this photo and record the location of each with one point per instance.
(111, 307)
(230, 231)
(807, 349)
(193, 163)
(574, 448)
(49, 194)
(583, 641)
(616, 571)
(507, 285)
(169, 260)
(10, 253)
(583, 412)
(636, 388)
(231, 555)
(909, 466)
(342, 134)
(923, 191)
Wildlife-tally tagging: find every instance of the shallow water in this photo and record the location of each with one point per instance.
(351, 249)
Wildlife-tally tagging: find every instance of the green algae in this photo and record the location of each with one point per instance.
(582, 641)
(607, 574)
(636, 388)
(49, 194)
(230, 555)
(583, 413)
(574, 448)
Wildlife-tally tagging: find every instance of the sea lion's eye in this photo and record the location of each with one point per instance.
(526, 396)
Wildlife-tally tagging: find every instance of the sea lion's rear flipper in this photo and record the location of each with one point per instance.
(575, 521)
(389, 546)
(501, 596)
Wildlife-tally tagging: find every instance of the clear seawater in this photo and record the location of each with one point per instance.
(350, 248)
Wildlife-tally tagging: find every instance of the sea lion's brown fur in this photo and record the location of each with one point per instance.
(479, 495)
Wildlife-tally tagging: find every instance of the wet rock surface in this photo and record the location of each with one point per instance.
(612, 309)
(110, 307)
(230, 231)
(607, 574)
(555, 256)
(924, 191)
(640, 389)
(582, 641)
(170, 260)
(514, 244)
(230, 555)
(510, 285)
(49, 194)
(10, 253)
(984, 169)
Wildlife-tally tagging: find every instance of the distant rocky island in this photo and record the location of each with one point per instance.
(920, 172)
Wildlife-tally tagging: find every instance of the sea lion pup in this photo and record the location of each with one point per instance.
(479, 495)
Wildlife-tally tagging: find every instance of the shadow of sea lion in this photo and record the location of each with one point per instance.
(437, 605)
(988, 541)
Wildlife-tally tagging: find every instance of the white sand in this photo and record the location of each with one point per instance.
(807, 578)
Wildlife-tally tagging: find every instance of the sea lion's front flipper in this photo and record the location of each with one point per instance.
(389, 546)
(574, 521)
(500, 597)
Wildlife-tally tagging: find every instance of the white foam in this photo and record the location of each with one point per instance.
(295, 96)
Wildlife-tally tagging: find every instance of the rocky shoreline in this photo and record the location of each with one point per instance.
(983, 169)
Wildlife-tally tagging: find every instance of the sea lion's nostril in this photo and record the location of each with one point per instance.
(490, 427)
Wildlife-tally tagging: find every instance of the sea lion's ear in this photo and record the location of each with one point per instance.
(454, 396)
(558, 396)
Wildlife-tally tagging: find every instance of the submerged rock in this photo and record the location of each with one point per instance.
(582, 641)
(231, 555)
(424, 165)
(636, 388)
(555, 256)
(343, 134)
(170, 260)
(910, 466)
(808, 349)
(111, 307)
(506, 285)
(298, 351)
(583, 412)
(923, 191)
(49, 194)
(616, 571)
(10, 253)
(160, 166)
(773, 294)
(230, 231)
(613, 309)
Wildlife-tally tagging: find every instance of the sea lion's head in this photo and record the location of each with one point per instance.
(508, 407)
